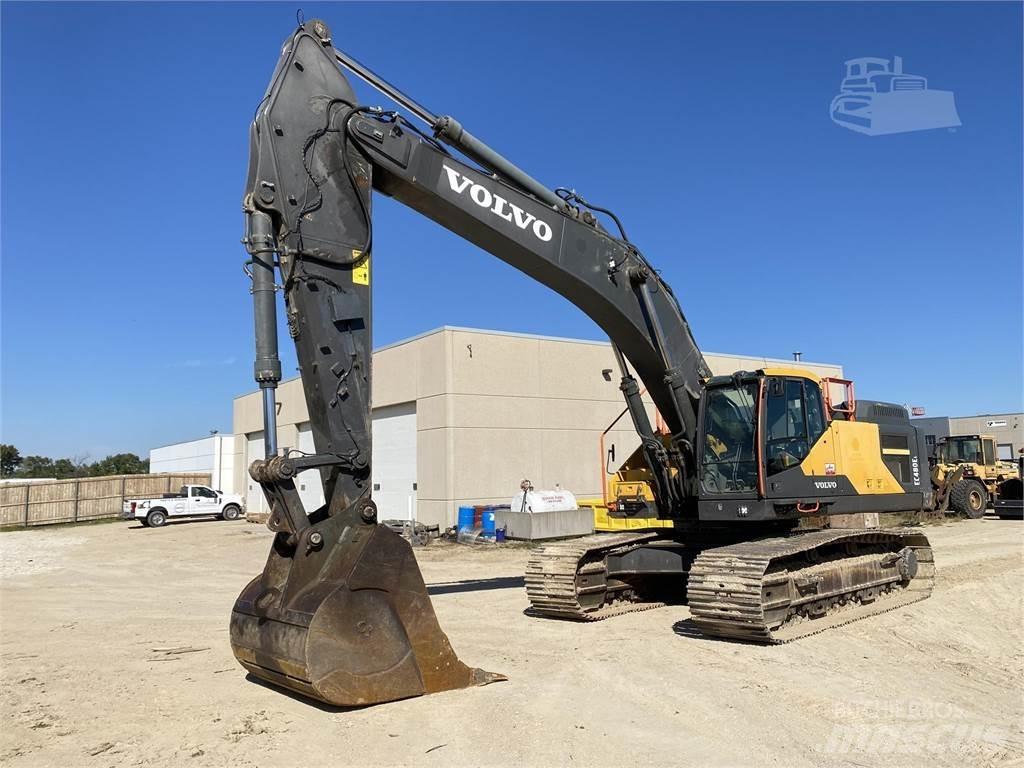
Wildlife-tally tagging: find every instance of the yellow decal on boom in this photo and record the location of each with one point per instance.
(361, 270)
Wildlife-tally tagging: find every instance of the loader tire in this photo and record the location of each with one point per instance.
(969, 497)
(230, 512)
(156, 518)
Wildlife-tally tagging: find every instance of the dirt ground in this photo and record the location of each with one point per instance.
(89, 613)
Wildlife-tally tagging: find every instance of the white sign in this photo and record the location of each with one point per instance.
(996, 423)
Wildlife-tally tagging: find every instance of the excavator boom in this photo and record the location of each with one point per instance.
(340, 612)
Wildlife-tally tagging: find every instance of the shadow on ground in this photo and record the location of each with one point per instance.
(315, 703)
(477, 585)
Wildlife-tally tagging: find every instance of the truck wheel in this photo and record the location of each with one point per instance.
(230, 512)
(969, 497)
(156, 518)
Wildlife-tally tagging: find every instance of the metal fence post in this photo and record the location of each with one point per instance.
(28, 490)
(78, 490)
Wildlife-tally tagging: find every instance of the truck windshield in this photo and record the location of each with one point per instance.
(963, 449)
(729, 461)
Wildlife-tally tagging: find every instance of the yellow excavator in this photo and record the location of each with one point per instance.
(340, 612)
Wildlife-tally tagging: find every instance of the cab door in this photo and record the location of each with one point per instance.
(181, 506)
(796, 435)
(202, 501)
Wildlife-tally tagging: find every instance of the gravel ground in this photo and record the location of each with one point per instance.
(95, 619)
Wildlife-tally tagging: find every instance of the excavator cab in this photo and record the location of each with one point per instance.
(757, 425)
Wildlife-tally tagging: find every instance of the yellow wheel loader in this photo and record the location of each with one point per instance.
(981, 477)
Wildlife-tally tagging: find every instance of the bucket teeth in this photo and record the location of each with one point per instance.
(350, 625)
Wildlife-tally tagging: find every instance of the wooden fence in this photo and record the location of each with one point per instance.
(83, 498)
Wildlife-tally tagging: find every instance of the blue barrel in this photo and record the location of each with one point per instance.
(488, 522)
(465, 518)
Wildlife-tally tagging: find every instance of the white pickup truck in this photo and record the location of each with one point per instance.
(191, 501)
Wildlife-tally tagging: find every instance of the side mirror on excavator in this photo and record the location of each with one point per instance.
(610, 460)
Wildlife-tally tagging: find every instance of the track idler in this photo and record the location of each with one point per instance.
(341, 614)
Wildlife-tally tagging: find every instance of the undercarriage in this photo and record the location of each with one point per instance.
(769, 590)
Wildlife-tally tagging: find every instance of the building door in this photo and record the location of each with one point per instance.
(309, 483)
(254, 449)
(394, 461)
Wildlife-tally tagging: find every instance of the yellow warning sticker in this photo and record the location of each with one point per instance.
(361, 270)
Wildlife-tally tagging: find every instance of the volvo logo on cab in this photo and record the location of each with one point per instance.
(497, 205)
(822, 485)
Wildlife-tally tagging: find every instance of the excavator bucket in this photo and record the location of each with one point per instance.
(350, 624)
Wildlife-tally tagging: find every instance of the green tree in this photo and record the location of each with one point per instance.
(71, 468)
(120, 464)
(10, 460)
(37, 466)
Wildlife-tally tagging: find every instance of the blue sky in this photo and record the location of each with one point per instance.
(126, 315)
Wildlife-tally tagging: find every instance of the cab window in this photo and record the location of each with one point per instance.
(815, 411)
(729, 463)
(786, 425)
(990, 454)
(198, 490)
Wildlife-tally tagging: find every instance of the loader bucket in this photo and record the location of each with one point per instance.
(348, 624)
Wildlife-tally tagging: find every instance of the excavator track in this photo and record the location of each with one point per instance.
(567, 580)
(781, 589)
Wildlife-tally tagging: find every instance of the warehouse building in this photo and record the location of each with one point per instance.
(1006, 428)
(216, 454)
(462, 415)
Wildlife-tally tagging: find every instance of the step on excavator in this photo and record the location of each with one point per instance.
(340, 612)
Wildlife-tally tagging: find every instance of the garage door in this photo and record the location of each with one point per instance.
(394, 461)
(254, 500)
(309, 484)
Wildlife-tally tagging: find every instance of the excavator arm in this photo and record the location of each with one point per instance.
(340, 612)
(315, 155)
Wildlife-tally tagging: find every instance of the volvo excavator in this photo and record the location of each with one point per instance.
(340, 612)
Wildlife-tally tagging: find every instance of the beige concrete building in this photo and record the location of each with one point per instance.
(461, 416)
